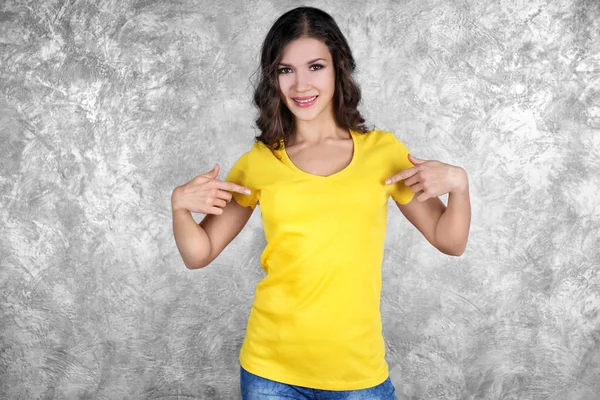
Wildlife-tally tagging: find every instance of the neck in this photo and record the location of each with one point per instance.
(317, 131)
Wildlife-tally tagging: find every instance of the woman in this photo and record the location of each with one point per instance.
(323, 181)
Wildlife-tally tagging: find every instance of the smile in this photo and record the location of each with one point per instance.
(305, 102)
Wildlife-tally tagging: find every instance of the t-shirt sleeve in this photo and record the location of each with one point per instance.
(240, 174)
(401, 193)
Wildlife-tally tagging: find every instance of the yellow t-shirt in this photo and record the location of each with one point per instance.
(315, 320)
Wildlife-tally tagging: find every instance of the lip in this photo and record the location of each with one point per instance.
(305, 104)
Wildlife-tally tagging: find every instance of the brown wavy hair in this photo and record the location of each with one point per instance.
(275, 120)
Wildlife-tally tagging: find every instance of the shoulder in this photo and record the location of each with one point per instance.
(257, 156)
(256, 150)
(382, 140)
(260, 153)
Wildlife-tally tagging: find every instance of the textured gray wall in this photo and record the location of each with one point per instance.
(105, 108)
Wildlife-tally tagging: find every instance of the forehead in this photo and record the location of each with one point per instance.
(303, 49)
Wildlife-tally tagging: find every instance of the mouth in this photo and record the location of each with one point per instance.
(305, 101)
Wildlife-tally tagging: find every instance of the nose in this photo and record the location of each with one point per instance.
(302, 81)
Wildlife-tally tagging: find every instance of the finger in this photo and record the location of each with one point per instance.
(212, 205)
(205, 206)
(232, 187)
(212, 174)
(415, 160)
(412, 180)
(407, 173)
(220, 203)
(417, 188)
(215, 210)
(423, 197)
(224, 195)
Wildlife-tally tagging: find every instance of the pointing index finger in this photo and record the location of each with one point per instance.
(232, 187)
(404, 174)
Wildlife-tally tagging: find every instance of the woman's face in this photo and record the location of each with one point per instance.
(307, 78)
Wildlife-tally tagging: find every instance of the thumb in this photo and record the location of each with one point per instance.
(415, 160)
(214, 172)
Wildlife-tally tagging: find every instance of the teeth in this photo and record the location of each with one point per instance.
(306, 101)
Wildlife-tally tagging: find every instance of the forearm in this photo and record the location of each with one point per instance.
(192, 241)
(452, 230)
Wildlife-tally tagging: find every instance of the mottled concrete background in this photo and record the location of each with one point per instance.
(106, 106)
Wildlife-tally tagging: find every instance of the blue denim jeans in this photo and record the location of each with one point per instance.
(257, 388)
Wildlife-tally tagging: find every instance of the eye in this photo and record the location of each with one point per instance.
(319, 66)
(284, 70)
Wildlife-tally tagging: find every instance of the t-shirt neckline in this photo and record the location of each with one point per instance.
(289, 162)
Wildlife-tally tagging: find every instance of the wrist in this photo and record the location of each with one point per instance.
(179, 210)
(461, 179)
(175, 206)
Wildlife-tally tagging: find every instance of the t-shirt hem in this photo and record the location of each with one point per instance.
(404, 199)
(288, 379)
(244, 200)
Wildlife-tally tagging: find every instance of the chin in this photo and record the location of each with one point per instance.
(306, 116)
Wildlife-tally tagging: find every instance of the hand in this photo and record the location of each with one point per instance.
(431, 178)
(205, 194)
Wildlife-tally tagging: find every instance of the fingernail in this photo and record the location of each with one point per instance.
(248, 191)
(387, 182)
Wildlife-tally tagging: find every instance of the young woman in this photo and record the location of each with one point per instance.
(323, 181)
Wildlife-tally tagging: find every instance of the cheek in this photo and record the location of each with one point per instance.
(329, 81)
(284, 84)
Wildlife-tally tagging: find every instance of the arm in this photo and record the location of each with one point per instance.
(191, 240)
(222, 229)
(199, 244)
(446, 228)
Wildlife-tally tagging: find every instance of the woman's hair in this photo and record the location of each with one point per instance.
(275, 120)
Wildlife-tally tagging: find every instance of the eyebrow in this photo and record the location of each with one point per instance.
(310, 62)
